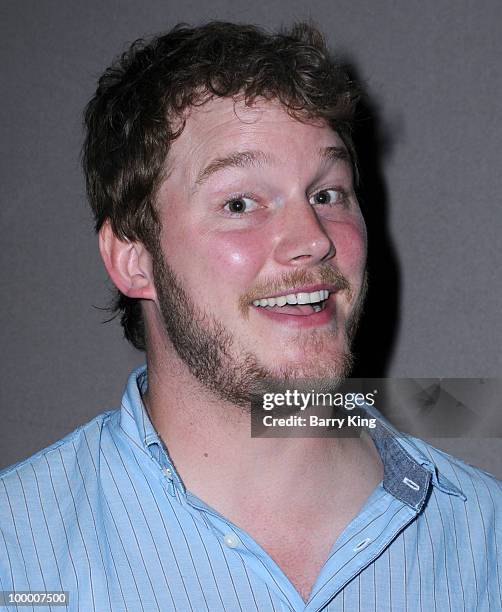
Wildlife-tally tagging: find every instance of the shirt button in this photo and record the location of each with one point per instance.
(168, 472)
(231, 540)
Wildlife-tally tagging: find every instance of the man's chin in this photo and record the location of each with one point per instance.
(318, 358)
(321, 367)
(319, 376)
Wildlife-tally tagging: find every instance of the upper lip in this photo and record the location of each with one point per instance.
(305, 289)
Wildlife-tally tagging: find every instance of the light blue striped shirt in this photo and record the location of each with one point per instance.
(103, 515)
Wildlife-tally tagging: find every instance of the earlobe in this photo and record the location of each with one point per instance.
(128, 264)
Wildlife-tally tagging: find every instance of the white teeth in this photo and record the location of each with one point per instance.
(314, 297)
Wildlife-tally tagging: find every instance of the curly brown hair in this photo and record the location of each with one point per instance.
(138, 108)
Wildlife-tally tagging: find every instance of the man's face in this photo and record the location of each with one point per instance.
(263, 247)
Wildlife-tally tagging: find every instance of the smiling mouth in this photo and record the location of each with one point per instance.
(302, 303)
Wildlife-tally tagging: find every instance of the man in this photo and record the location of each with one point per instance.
(221, 172)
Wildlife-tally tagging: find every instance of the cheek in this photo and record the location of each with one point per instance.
(351, 245)
(221, 259)
(238, 253)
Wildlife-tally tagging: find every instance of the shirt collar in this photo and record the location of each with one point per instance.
(139, 429)
(134, 419)
(408, 472)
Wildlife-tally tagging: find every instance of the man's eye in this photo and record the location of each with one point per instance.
(240, 205)
(327, 196)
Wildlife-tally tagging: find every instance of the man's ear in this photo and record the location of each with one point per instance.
(128, 264)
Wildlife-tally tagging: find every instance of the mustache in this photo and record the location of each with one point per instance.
(324, 274)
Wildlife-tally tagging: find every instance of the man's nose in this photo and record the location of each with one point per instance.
(302, 239)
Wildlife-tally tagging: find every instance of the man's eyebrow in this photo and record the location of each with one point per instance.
(238, 159)
(335, 154)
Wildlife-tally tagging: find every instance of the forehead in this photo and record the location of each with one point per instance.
(224, 125)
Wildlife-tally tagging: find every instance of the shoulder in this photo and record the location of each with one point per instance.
(49, 471)
(86, 431)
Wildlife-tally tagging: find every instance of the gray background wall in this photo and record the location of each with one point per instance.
(434, 72)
